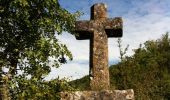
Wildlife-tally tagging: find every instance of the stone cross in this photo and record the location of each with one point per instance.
(98, 29)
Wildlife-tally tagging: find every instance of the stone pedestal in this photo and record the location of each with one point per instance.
(99, 95)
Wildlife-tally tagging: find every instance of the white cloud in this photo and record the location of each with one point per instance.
(70, 71)
(140, 29)
(79, 48)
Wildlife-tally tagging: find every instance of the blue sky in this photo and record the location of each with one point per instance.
(142, 20)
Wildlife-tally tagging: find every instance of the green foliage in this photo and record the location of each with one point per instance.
(28, 39)
(33, 89)
(27, 30)
(81, 84)
(147, 71)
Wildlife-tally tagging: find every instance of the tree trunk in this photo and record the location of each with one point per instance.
(4, 88)
(4, 93)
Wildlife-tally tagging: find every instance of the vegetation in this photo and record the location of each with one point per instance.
(81, 84)
(147, 71)
(28, 44)
(34, 89)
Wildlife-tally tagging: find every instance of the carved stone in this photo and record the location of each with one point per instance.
(98, 29)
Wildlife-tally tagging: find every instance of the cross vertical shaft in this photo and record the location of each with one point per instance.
(99, 61)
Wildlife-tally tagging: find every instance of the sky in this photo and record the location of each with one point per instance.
(142, 20)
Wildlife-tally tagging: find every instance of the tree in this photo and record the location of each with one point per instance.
(28, 31)
(147, 71)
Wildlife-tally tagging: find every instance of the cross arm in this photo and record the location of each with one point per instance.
(114, 27)
(84, 30)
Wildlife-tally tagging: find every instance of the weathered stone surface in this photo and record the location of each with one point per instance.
(99, 95)
(98, 29)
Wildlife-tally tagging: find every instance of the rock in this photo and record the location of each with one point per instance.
(99, 95)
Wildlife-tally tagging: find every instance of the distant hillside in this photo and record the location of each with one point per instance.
(81, 84)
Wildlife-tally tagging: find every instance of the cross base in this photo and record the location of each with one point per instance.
(99, 95)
